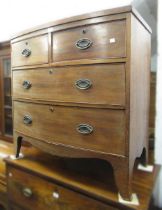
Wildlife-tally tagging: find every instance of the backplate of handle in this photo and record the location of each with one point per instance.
(26, 84)
(26, 52)
(83, 44)
(84, 129)
(27, 120)
(27, 192)
(83, 84)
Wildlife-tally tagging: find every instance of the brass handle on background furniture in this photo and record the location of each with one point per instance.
(84, 129)
(26, 52)
(26, 84)
(27, 120)
(55, 195)
(83, 44)
(27, 192)
(83, 84)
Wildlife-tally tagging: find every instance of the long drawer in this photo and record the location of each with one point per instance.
(30, 51)
(98, 41)
(92, 84)
(31, 192)
(101, 130)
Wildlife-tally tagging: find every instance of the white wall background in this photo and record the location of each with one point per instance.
(158, 134)
(148, 10)
(18, 15)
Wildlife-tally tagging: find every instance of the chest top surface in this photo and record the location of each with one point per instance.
(98, 14)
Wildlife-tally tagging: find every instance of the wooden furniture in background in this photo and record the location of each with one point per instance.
(6, 149)
(6, 128)
(41, 181)
(5, 117)
(81, 89)
(152, 105)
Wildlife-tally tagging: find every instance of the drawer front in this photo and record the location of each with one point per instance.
(30, 51)
(32, 192)
(91, 84)
(89, 128)
(3, 197)
(15, 207)
(100, 41)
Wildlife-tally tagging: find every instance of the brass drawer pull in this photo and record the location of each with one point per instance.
(26, 84)
(27, 192)
(83, 84)
(51, 71)
(56, 195)
(83, 44)
(26, 52)
(27, 120)
(84, 129)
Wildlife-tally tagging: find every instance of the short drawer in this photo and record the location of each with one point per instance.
(99, 41)
(92, 84)
(32, 192)
(31, 51)
(102, 130)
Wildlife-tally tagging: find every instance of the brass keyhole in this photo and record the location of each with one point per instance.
(84, 31)
(51, 108)
(10, 174)
(51, 71)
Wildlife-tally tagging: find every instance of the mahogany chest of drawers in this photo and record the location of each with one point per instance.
(81, 89)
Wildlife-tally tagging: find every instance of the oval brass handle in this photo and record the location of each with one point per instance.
(27, 120)
(83, 44)
(84, 129)
(26, 84)
(27, 192)
(83, 84)
(26, 52)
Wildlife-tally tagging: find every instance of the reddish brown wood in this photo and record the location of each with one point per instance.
(108, 126)
(61, 87)
(100, 35)
(152, 105)
(38, 47)
(121, 135)
(5, 53)
(6, 149)
(139, 91)
(21, 182)
(86, 184)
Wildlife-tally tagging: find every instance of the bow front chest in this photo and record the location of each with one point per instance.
(81, 89)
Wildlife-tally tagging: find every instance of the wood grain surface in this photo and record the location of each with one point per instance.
(108, 84)
(64, 42)
(60, 126)
(93, 179)
(39, 51)
(116, 108)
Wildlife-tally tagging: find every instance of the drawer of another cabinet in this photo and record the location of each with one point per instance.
(31, 51)
(32, 192)
(92, 84)
(98, 41)
(102, 130)
(14, 207)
